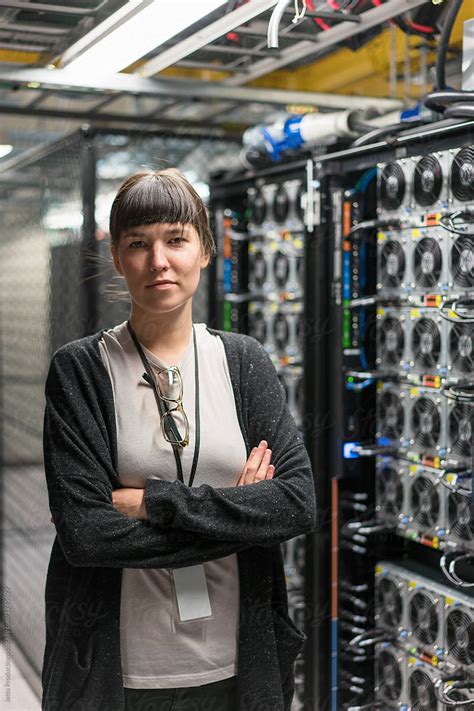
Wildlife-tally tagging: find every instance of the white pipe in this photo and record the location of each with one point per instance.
(274, 24)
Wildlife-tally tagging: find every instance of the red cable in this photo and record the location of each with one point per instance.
(422, 28)
(323, 25)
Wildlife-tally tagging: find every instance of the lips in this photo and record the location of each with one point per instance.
(161, 283)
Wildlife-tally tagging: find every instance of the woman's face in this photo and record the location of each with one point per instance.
(163, 253)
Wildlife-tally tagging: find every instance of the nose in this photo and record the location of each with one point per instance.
(158, 260)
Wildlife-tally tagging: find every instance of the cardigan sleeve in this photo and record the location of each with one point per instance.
(263, 513)
(78, 465)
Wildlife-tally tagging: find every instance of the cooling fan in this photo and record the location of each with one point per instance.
(392, 263)
(389, 493)
(459, 516)
(392, 186)
(281, 268)
(428, 181)
(428, 262)
(258, 207)
(426, 343)
(423, 615)
(460, 636)
(281, 332)
(281, 205)
(389, 604)
(259, 269)
(460, 429)
(389, 676)
(391, 416)
(461, 347)
(462, 175)
(422, 692)
(258, 326)
(462, 261)
(424, 502)
(426, 422)
(391, 341)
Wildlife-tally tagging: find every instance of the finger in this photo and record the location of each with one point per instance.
(254, 462)
(263, 468)
(241, 481)
(270, 471)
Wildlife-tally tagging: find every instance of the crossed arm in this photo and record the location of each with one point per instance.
(166, 524)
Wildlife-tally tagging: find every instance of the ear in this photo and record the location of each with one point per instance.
(118, 266)
(205, 259)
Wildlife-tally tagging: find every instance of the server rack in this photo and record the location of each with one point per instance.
(401, 246)
(271, 257)
(388, 411)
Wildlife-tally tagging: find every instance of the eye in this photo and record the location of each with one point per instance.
(133, 245)
(177, 240)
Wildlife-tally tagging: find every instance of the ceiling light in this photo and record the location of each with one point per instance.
(5, 149)
(132, 32)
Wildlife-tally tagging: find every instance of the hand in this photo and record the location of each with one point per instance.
(130, 502)
(257, 467)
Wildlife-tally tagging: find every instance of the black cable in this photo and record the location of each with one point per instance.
(460, 111)
(378, 133)
(443, 46)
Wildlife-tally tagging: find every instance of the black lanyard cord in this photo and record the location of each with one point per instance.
(169, 423)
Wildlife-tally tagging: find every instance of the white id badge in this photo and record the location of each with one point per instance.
(192, 594)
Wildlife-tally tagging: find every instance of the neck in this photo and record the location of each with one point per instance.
(166, 335)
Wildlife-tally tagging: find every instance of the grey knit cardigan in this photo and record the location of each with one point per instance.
(186, 526)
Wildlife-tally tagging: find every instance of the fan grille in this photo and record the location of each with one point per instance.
(428, 262)
(423, 618)
(392, 186)
(422, 692)
(462, 175)
(424, 500)
(426, 343)
(461, 521)
(428, 181)
(258, 207)
(281, 331)
(460, 636)
(258, 326)
(426, 422)
(392, 264)
(389, 676)
(281, 268)
(461, 347)
(389, 493)
(462, 261)
(281, 204)
(391, 341)
(391, 415)
(259, 267)
(460, 429)
(389, 603)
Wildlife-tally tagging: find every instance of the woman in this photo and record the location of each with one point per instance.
(166, 588)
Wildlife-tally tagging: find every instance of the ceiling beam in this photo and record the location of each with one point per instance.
(46, 7)
(324, 40)
(69, 81)
(208, 34)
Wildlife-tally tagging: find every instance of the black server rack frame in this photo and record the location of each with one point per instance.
(229, 200)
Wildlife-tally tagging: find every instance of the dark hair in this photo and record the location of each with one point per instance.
(159, 196)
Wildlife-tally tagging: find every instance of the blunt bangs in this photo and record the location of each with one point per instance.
(163, 196)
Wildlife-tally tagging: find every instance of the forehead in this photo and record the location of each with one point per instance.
(160, 229)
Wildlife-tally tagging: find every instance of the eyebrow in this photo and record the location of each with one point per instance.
(132, 232)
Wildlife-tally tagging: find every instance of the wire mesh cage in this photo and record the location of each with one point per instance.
(58, 283)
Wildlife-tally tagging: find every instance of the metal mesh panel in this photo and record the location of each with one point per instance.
(54, 288)
(40, 220)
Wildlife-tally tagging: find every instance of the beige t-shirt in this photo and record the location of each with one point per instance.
(157, 649)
